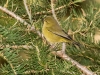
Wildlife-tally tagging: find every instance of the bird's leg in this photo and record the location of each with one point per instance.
(62, 51)
(54, 46)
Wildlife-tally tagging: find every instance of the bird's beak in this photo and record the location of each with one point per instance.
(45, 17)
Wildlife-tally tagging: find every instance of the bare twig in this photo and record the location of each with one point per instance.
(50, 11)
(53, 11)
(27, 10)
(31, 28)
(56, 9)
(13, 15)
(16, 46)
(6, 4)
(67, 58)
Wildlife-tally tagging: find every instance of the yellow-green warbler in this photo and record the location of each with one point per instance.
(54, 33)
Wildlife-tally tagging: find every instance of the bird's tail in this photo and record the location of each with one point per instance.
(77, 44)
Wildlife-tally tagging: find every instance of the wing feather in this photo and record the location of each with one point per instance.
(60, 33)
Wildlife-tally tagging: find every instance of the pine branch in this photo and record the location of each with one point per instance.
(58, 8)
(40, 53)
(67, 58)
(13, 15)
(13, 60)
(11, 65)
(31, 28)
(62, 53)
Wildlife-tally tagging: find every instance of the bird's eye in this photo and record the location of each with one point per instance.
(46, 21)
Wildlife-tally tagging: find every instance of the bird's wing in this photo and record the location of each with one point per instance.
(60, 33)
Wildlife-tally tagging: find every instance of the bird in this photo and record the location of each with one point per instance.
(54, 33)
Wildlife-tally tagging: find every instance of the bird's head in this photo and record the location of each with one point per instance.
(49, 21)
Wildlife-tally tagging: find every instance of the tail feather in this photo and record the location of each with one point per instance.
(77, 44)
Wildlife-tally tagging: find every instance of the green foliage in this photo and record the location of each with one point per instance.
(13, 66)
(78, 16)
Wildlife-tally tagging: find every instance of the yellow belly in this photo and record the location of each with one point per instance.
(53, 38)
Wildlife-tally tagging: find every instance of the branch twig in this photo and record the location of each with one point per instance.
(53, 11)
(13, 15)
(29, 14)
(32, 28)
(56, 9)
(67, 58)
